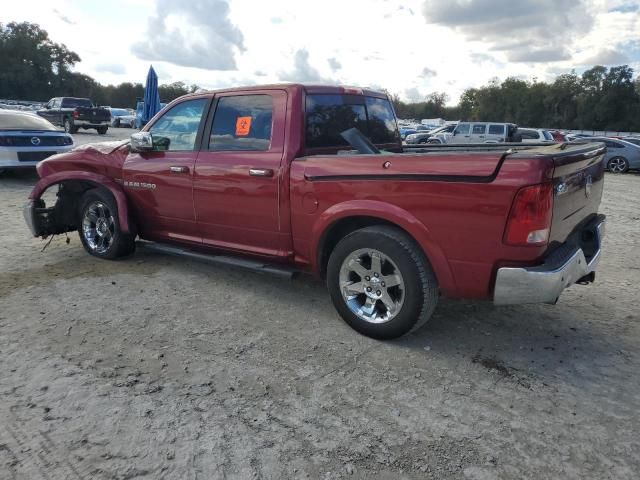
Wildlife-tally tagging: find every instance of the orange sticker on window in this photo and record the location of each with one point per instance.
(243, 125)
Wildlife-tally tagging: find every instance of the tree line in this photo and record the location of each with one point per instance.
(600, 99)
(35, 68)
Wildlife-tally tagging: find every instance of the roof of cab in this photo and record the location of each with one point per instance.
(308, 88)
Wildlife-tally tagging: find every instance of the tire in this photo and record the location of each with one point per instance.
(116, 123)
(414, 298)
(102, 130)
(99, 213)
(69, 127)
(618, 165)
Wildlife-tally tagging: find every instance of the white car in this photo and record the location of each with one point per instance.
(535, 135)
(25, 139)
(121, 117)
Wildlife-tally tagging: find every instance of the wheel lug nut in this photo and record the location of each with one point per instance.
(383, 284)
(378, 292)
(376, 275)
(368, 289)
(367, 278)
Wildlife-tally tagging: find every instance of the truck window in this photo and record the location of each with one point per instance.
(479, 129)
(242, 122)
(496, 129)
(76, 102)
(328, 115)
(462, 129)
(177, 129)
(382, 121)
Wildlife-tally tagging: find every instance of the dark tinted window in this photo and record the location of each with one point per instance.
(382, 121)
(635, 141)
(23, 121)
(479, 129)
(496, 129)
(328, 115)
(611, 144)
(76, 102)
(177, 129)
(528, 134)
(242, 123)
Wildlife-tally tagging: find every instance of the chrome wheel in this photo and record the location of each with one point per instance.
(617, 165)
(372, 285)
(98, 227)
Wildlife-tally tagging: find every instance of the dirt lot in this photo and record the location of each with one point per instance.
(157, 367)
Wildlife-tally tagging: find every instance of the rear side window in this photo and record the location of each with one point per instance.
(528, 134)
(382, 121)
(242, 123)
(547, 135)
(496, 129)
(479, 129)
(611, 144)
(328, 115)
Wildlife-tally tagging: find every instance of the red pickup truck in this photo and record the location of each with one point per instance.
(314, 178)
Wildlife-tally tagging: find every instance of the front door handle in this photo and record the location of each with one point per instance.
(261, 172)
(178, 169)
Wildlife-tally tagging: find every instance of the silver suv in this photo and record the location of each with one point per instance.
(484, 132)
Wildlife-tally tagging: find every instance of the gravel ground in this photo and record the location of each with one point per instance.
(158, 367)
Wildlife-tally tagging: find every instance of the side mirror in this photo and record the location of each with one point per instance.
(454, 133)
(48, 107)
(141, 142)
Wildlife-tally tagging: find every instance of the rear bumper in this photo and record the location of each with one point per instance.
(575, 260)
(91, 123)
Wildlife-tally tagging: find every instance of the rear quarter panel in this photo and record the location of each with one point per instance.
(454, 205)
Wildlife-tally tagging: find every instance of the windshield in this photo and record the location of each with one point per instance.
(547, 135)
(23, 121)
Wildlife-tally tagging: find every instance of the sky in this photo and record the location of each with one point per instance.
(408, 47)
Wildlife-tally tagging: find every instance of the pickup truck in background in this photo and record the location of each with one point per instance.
(75, 113)
(315, 178)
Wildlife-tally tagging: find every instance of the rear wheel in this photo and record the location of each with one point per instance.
(381, 283)
(618, 165)
(102, 130)
(99, 228)
(69, 127)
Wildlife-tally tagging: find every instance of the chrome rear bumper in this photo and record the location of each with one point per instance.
(544, 283)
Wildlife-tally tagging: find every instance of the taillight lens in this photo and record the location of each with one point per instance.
(76, 114)
(530, 216)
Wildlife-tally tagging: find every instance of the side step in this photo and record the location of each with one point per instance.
(249, 264)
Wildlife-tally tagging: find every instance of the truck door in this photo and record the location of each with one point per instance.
(478, 133)
(159, 183)
(237, 180)
(496, 133)
(461, 134)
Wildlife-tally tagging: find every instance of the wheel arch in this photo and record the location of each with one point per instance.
(80, 182)
(342, 219)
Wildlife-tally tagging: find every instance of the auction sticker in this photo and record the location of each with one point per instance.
(243, 125)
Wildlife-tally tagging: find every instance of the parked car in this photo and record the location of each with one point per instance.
(572, 137)
(139, 113)
(423, 137)
(26, 138)
(404, 132)
(75, 113)
(535, 135)
(558, 136)
(621, 155)
(285, 178)
(634, 140)
(121, 117)
(484, 132)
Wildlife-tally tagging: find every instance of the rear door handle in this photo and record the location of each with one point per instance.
(178, 169)
(261, 172)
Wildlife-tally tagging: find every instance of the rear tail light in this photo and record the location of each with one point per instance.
(530, 216)
(76, 114)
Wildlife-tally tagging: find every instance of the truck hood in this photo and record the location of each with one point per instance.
(104, 158)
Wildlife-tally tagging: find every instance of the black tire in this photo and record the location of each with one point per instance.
(102, 130)
(121, 244)
(420, 284)
(68, 125)
(618, 165)
(116, 123)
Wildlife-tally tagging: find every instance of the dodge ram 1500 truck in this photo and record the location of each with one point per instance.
(314, 178)
(74, 113)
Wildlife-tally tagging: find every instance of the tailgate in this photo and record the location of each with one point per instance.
(578, 180)
(94, 114)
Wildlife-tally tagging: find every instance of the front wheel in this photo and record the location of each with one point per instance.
(618, 165)
(381, 283)
(99, 228)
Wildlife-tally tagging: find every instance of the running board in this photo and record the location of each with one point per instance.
(255, 265)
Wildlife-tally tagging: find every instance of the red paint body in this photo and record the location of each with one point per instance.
(454, 204)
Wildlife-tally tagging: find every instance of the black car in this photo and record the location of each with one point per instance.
(75, 113)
